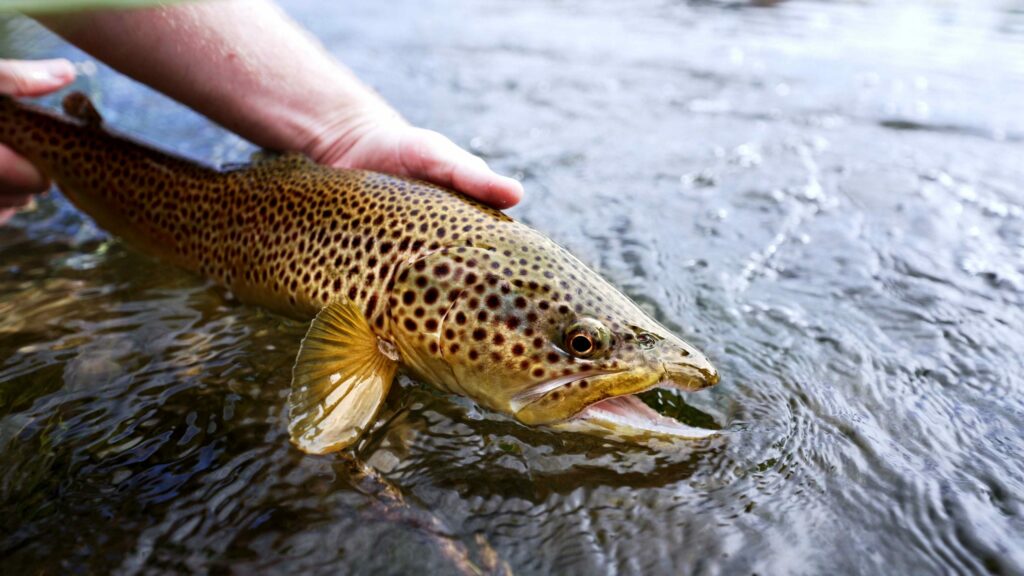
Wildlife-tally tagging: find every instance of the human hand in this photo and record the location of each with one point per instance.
(19, 179)
(279, 89)
(381, 141)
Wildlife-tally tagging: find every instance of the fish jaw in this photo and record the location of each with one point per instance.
(628, 417)
(562, 399)
(606, 403)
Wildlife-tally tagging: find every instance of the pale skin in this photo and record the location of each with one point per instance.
(247, 66)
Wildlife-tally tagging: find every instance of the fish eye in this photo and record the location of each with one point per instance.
(581, 344)
(587, 337)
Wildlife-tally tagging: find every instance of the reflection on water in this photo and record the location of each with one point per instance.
(825, 197)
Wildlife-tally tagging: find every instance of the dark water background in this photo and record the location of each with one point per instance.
(824, 196)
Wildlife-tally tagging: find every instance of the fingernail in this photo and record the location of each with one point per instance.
(52, 71)
(513, 191)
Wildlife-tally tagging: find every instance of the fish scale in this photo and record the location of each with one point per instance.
(394, 272)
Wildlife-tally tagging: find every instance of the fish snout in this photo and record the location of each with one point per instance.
(690, 371)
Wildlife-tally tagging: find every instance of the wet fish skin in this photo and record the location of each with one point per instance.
(395, 273)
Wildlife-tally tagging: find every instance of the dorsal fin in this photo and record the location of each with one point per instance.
(284, 161)
(77, 105)
(270, 160)
(263, 155)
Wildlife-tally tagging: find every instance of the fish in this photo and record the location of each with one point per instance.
(392, 273)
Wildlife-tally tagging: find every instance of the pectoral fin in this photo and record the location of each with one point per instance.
(341, 377)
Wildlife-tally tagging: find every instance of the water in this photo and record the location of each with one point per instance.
(825, 197)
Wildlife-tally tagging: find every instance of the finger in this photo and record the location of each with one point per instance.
(487, 186)
(430, 156)
(34, 77)
(6, 214)
(14, 201)
(18, 176)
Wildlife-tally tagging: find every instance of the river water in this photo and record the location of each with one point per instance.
(823, 196)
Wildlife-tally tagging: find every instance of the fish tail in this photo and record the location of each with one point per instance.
(128, 188)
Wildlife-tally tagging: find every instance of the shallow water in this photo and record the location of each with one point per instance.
(824, 197)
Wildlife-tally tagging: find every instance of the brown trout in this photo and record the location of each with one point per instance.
(394, 273)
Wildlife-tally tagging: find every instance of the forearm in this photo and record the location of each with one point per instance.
(250, 68)
(242, 63)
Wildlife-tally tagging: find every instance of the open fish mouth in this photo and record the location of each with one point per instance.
(629, 416)
(624, 415)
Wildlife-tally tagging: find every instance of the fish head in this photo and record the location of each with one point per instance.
(529, 330)
(608, 351)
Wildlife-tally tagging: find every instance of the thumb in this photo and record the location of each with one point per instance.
(34, 77)
(431, 156)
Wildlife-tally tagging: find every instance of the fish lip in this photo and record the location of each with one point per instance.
(628, 415)
(535, 393)
(624, 414)
(664, 383)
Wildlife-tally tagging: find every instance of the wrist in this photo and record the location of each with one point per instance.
(322, 115)
(327, 135)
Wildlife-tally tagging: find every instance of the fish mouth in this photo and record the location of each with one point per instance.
(624, 415)
(629, 416)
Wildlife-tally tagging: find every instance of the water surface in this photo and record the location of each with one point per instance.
(823, 196)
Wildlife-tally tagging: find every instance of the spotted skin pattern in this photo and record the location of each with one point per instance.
(475, 302)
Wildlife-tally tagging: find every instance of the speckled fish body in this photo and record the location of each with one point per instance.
(393, 272)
